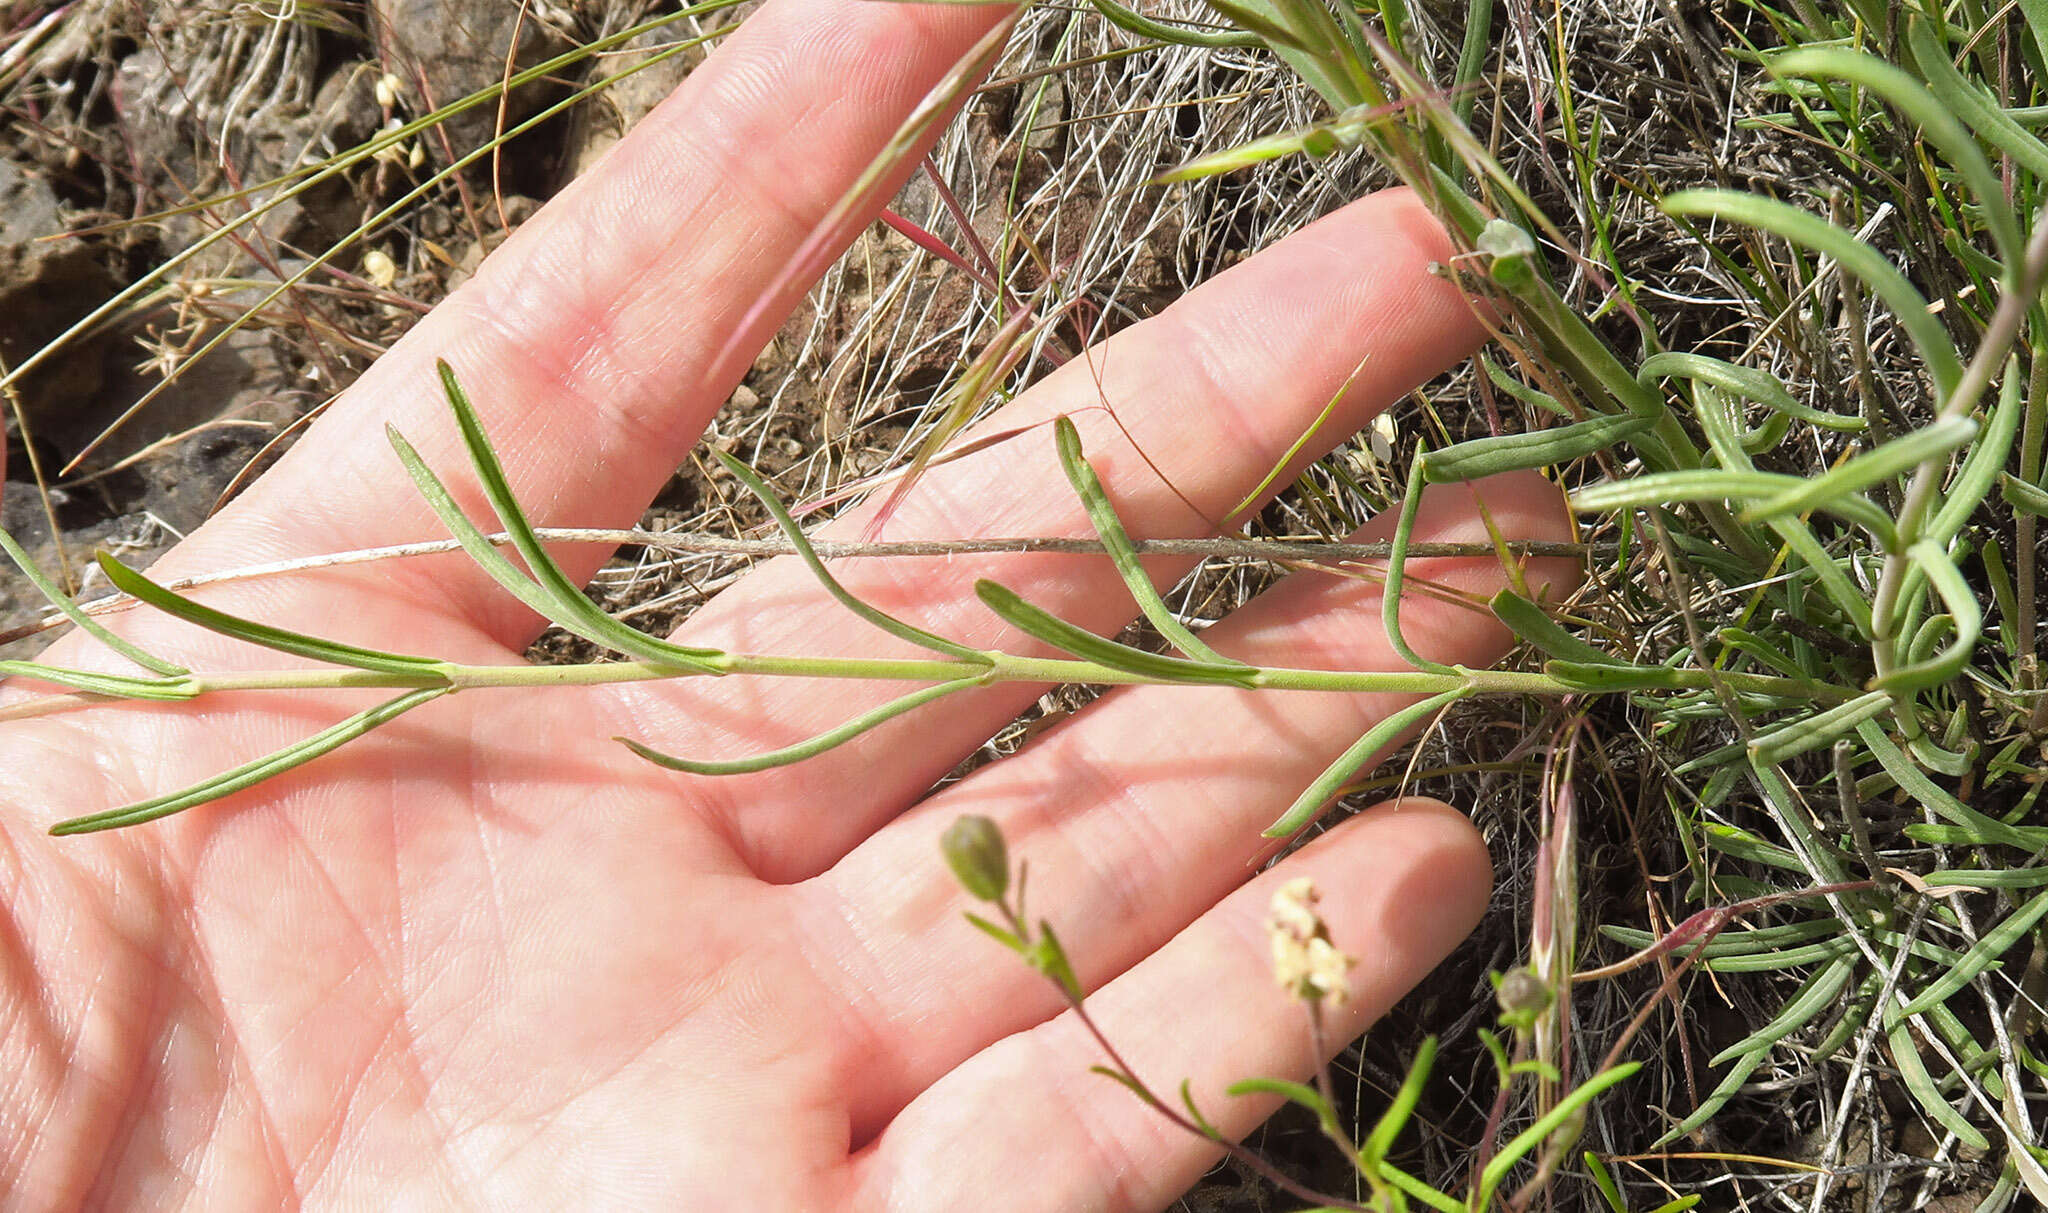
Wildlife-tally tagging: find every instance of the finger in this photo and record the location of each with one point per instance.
(589, 339)
(1146, 808)
(1401, 886)
(1208, 398)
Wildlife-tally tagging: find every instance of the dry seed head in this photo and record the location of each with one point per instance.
(1305, 962)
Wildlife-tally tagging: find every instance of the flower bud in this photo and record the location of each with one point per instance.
(974, 849)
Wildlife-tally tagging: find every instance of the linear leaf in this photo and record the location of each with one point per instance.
(252, 773)
(141, 588)
(1855, 256)
(1533, 624)
(1535, 449)
(809, 748)
(1117, 542)
(1352, 760)
(1044, 625)
(595, 625)
(1921, 1086)
(120, 685)
(1981, 955)
(1886, 462)
(801, 542)
(92, 627)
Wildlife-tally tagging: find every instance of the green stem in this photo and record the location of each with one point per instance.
(1000, 667)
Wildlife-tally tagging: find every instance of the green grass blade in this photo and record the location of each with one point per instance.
(801, 542)
(1571, 1106)
(1353, 760)
(1042, 624)
(1817, 995)
(1117, 542)
(51, 591)
(809, 748)
(141, 588)
(250, 774)
(1373, 1151)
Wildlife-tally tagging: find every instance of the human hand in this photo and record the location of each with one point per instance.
(485, 957)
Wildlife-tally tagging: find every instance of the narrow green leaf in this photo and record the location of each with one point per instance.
(1921, 1086)
(1175, 35)
(1354, 759)
(1715, 484)
(252, 773)
(1296, 1092)
(1490, 456)
(1605, 676)
(1817, 995)
(1187, 1100)
(56, 596)
(1812, 732)
(1747, 382)
(1983, 830)
(829, 739)
(1042, 624)
(1955, 592)
(2022, 496)
(1397, 566)
(569, 599)
(1117, 542)
(1533, 624)
(999, 934)
(119, 685)
(474, 542)
(1415, 1189)
(141, 588)
(1572, 1105)
(1964, 99)
(1542, 401)
(1373, 1151)
(1886, 462)
(1981, 956)
(1937, 124)
(1716, 1099)
(1254, 19)
(1907, 304)
(802, 543)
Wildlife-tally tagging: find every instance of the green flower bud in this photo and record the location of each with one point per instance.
(1522, 996)
(974, 849)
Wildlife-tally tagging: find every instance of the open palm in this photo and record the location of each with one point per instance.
(487, 957)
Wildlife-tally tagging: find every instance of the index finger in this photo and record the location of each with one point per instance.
(588, 340)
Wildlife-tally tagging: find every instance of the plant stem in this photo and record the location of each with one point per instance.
(999, 667)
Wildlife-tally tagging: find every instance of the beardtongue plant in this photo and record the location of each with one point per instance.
(1837, 647)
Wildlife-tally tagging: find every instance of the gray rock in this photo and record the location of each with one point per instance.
(444, 50)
